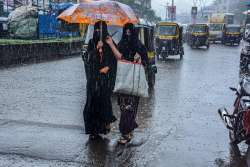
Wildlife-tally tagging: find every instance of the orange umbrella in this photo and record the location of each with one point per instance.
(114, 13)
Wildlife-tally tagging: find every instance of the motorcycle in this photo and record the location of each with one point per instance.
(238, 123)
(245, 57)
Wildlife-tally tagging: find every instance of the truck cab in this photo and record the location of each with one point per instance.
(215, 32)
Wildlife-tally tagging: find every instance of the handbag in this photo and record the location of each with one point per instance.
(131, 79)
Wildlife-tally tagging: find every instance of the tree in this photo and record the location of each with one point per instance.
(142, 11)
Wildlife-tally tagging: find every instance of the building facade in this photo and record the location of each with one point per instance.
(144, 3)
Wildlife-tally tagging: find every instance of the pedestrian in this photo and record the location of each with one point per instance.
(98, 114)
(131, 49)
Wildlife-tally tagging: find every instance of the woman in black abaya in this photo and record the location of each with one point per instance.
(98, 114)
(131, 49)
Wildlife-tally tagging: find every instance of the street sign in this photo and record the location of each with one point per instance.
(194, 11)
(172, 13)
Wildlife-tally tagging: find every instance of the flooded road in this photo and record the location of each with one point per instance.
(41, 120)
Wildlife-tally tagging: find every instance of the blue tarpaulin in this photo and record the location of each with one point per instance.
(49, 26)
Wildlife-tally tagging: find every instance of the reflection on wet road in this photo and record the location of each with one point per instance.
(41, 115)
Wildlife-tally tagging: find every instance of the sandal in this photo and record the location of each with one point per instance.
(131, 134)
(124, 139)
(94, 137)
(108, 128)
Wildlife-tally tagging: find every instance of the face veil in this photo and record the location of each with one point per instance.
(97, 31)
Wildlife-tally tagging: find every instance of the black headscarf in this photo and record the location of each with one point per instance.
(130, 45)
(128, 42)
(98, 61)
(97, 34)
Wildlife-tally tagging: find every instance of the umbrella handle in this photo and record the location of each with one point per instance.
(101, 33)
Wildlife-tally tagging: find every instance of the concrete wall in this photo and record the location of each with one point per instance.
(37, 52)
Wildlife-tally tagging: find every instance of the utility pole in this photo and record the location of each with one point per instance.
(227, 6)
(172, 11)
(194, 11)
(167, 12)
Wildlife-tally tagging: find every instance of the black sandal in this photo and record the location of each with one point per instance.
(107, 129)
(94, 137)
(124, 139)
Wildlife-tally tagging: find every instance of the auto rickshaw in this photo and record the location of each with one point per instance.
(168, 40)
(231, 34)
(146, 35)
(198, 35)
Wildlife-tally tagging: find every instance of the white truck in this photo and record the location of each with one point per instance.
(216, 24)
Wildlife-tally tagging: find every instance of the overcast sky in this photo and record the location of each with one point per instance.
(183, 6)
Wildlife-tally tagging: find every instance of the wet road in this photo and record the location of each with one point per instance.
(41, 120)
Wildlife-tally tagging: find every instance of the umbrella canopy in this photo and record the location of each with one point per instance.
(114, 13)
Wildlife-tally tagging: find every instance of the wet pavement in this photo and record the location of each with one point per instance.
(41, 120)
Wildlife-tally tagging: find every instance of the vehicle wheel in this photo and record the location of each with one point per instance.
(233, 142)
(244, 61)
(157, 56)
(223, 42)
(208, 46)
(164, 57)
(181, 56)
(234, 149)
(192, 45)
(231, 136)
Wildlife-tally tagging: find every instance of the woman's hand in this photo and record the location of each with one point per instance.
(137, 58)
(99, 45)
(104, 70)
(109, 41)
(116, 52)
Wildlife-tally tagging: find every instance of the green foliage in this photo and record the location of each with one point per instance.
(142, 11)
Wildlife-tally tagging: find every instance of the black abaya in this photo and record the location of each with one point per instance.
(98, 108)
(129, 46)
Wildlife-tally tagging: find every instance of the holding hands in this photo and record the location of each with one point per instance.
(104, 70)
(109, 41)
